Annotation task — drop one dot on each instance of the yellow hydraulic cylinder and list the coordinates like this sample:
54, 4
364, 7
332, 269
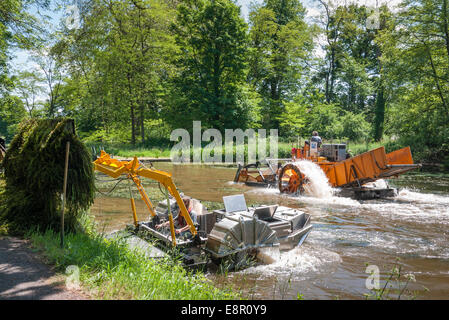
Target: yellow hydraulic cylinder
144, 195
172, 229
133, 207
170, 218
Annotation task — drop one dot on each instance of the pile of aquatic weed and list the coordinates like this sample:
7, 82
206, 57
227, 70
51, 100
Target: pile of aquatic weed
34, 175
109, 269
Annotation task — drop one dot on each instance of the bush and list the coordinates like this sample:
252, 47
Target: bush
355, 127
34, 174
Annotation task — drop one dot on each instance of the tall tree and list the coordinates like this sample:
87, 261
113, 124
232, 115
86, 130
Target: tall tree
29, 89
281, 43
50, 65
18, 28
352, 68
120, 56
416, 62
212, 39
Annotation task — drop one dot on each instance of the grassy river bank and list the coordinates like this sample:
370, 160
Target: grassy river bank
109, 269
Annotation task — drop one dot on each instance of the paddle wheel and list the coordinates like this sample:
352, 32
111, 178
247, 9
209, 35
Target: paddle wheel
291, 179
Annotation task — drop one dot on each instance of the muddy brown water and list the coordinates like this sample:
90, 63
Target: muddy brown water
347, 236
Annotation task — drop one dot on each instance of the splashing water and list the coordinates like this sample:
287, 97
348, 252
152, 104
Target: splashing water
318, 185
297, 261
268, 255
408, 195
378, 184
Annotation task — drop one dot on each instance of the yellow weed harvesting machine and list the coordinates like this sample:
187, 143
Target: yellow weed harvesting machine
351, 174
232, 233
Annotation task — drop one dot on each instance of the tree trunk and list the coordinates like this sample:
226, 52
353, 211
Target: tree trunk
133, 117
379, 118
446, 26
437, 83
142, 123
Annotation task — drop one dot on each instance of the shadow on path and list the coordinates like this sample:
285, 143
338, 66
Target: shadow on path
23, 276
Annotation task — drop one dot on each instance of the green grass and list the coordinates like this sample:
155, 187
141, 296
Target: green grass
359, 148
110, 270
4, 229
143, 152
284, 149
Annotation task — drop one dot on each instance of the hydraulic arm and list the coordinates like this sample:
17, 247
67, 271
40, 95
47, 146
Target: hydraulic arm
133, 170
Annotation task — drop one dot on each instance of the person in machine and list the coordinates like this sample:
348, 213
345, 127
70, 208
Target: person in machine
316, 138
181, 225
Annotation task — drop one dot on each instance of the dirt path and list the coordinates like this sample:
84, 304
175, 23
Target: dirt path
24, 276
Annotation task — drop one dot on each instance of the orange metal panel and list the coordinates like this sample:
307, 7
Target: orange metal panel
402, 156
340, 174
364, 168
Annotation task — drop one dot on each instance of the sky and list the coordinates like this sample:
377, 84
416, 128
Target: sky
313, 6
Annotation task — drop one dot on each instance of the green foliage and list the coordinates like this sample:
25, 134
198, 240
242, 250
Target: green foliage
307, 114
34, 173
118, 63
355, 127
17, 28
29, 87
416, 63
12, 112
352, 68
135, 70
294, 119
212, 39
280, 41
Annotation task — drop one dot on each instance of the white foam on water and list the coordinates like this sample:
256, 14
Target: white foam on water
414, 206
412, 213
380, 241
333, 201
317, 191
298, 261
267, 191
407, 195
378, 184
409, 205
268, 255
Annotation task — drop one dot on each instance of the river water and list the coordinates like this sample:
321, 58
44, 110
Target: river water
409, 231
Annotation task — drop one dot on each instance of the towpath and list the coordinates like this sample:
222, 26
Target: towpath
23, 275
